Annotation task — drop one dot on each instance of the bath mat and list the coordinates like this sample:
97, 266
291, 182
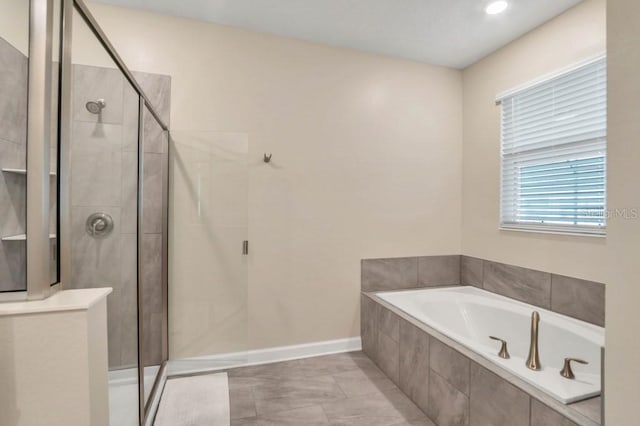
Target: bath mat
195, 400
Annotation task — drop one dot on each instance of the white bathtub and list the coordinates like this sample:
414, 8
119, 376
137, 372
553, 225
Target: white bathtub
470, 315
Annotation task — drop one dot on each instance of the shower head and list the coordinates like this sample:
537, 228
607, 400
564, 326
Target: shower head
96, 107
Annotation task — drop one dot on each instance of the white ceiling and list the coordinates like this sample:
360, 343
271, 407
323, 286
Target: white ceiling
454, 33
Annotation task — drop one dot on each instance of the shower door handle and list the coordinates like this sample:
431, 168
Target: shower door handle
245, 247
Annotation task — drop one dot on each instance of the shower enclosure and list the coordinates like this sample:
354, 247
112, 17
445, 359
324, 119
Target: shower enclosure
117, 161
84, 153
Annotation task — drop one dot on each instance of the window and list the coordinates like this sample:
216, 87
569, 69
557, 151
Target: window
554, 153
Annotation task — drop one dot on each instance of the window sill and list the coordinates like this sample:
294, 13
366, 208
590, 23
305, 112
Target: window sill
545, 230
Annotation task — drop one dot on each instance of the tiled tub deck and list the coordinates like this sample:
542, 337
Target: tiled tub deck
453, 385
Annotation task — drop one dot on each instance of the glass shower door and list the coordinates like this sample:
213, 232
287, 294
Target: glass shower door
103, 171
152, 243
208, 297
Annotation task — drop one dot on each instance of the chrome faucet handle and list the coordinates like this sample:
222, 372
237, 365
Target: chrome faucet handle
566, 371
504, 353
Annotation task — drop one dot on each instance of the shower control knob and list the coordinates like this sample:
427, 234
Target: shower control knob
99, 225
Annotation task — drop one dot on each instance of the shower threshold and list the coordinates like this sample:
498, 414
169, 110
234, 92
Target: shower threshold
123, 394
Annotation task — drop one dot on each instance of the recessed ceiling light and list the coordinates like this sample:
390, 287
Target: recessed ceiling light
496, 7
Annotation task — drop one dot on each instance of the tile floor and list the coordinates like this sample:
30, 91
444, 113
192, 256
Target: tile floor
341, 389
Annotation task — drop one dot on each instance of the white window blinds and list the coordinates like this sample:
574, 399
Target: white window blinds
554, 153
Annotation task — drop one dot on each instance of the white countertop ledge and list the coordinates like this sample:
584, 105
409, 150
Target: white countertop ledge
63, 300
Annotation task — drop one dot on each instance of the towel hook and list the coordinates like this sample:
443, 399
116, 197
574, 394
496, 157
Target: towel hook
267, 158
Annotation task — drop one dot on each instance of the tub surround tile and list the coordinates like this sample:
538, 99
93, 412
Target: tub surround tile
590, 408
471, 271
451, 365
495, 401
438, 270
369, 326
447, 405
522, 284
388, 357
541, 415
414, 364
388, 323
577, 298
389, 274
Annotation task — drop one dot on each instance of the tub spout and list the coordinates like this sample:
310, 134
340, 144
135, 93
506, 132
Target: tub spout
533, 361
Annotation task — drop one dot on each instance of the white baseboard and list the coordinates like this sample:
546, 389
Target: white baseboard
261, 356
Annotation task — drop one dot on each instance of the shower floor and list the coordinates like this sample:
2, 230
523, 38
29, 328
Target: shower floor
123, 394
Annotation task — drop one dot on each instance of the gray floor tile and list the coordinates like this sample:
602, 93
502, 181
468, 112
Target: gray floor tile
285, 369
368, 410
311, 416
241, 403
296, 393
358, 383
357, 393
334, 364
403, 404
425, 421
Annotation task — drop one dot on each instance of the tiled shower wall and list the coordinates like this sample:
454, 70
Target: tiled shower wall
13, 144
574, 297
104, 179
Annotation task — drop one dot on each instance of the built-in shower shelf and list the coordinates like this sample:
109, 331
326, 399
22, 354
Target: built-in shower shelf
23, 237
22, 171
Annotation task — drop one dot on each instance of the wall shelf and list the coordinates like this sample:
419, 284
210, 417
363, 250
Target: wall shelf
22, 171
23, 237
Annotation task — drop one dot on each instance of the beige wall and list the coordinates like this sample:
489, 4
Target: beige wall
14, 23
578, 34
623, 291
366, 163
